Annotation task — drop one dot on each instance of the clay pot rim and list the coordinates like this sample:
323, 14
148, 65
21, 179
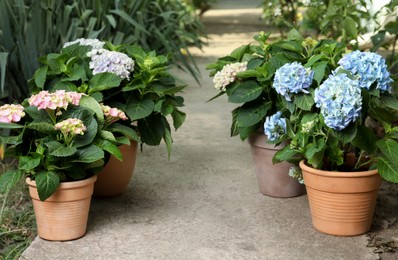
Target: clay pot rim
337, 174
67, 185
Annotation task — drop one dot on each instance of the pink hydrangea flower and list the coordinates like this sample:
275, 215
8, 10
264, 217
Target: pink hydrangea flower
112, 113
11, 113
58, 99
74, 126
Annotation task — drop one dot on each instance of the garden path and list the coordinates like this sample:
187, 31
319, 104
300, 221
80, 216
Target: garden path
204, 202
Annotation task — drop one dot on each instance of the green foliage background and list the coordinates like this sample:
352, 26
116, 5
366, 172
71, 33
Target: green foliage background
32, 28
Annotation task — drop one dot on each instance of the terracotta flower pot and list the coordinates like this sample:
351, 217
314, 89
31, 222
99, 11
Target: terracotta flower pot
273, 179
116, 175
63, 216
341, 203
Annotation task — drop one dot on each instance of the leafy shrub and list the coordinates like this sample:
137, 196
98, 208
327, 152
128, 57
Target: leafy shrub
30, 29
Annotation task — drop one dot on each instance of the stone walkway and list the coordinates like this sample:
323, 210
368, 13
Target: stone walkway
204, 202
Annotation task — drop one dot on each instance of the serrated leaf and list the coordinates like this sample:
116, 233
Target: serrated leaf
103, 81
319, 71
42, 127
28, 163
91, 103
63, 151
178, 118
10, 126
389, 148
89, 154
250, 115
347, 134
245, 92
41, 76
168, 140
125, 130
151, 129
304, 101
107, 135
390, 102
111, 148
137, 109
387, 170
286, 154
365, 139
47, 183
239, 52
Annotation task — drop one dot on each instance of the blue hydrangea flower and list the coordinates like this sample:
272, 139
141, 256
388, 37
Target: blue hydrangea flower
340, 101
274, 126
296, 173
292, 78
370, 67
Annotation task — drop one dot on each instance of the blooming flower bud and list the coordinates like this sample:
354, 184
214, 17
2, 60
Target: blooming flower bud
228, 74
296, 173
71, 125
11, 113
113, 114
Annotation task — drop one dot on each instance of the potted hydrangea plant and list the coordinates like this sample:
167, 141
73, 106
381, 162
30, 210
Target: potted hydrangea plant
344, 139
331, 109
59, 141
246, 76
127, 78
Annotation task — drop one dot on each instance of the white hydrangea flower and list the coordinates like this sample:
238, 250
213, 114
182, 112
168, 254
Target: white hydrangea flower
228, 74
111, 61
94, 43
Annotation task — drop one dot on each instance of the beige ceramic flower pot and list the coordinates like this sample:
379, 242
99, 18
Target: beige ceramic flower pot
116, 175
63, 216
341, 203
273, 179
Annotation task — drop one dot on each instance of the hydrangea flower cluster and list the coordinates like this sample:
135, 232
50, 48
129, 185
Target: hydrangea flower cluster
52, 101
228, 74
370, 67
94, 43
296, 173
72, 126
11, 113
112, 114
292, 78
274, 126
111, 61
340, 101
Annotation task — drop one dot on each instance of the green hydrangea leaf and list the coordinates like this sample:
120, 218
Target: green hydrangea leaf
47, 183
245, 92
28, 163
388, 170
137, 109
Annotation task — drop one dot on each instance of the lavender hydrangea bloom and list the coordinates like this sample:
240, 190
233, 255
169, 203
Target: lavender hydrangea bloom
274, 126
94, 43
111, 61
292, 78
340, 101
370, 67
